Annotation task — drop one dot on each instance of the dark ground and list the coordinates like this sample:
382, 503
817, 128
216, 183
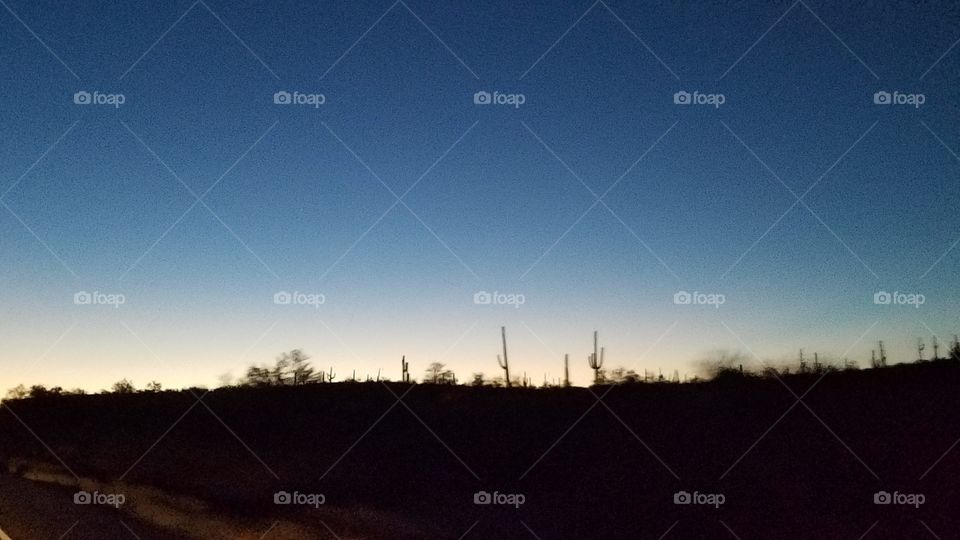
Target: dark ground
587, 469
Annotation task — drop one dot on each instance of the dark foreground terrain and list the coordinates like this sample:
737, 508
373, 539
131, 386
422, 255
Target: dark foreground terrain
773, 466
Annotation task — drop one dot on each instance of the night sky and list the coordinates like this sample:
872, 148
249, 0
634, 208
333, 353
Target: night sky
388, 193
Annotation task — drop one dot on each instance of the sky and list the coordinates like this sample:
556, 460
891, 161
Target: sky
167, 169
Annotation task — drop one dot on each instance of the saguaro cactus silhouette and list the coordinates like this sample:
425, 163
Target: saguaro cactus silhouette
405, 374
595, 361
566, 370
504, 364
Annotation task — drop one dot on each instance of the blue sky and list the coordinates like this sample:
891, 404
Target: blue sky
494, 197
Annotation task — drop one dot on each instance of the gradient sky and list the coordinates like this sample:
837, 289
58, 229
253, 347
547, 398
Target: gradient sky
300, 195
